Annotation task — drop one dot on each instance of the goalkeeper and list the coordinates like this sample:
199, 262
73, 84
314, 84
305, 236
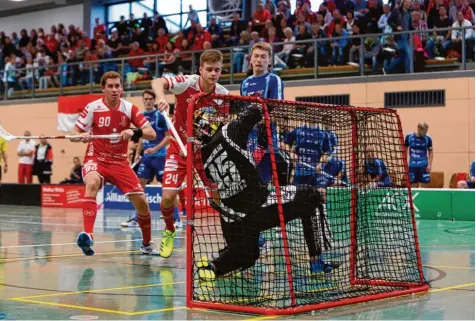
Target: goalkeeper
246, 206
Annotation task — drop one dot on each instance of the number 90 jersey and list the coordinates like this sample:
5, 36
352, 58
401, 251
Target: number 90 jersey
100, 119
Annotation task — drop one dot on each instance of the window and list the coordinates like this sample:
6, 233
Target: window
166, 7
141, 7
173, 23
116, 11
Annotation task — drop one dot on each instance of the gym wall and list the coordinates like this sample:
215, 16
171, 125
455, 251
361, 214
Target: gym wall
451, 126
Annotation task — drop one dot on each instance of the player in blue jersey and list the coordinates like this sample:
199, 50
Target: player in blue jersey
310, 143
420, 148
470, 183
376, 169
331, 135
154, 151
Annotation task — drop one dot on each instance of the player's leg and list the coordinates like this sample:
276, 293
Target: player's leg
241, 252
126, 180
21, 173
425, 176
174, 174
144, 173
93, 181
303, 202
29, 174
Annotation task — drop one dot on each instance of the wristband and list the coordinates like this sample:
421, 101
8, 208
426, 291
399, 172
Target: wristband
137, 134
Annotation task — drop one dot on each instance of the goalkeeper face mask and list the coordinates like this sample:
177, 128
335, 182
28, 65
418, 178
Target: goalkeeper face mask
206, 123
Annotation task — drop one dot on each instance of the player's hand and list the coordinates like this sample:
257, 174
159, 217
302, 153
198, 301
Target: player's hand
149, 151
84, 137
126, 134
162, 104
319, 168
428, 169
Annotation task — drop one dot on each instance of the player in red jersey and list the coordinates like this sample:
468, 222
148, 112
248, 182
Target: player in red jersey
106, 160
183, 87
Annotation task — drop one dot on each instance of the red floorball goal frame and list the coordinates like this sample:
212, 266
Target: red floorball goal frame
330, 185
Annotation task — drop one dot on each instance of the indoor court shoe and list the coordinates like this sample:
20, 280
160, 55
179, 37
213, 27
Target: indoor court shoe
318, 266
85, 242
130, 223
149, 249
167, 244
206, 273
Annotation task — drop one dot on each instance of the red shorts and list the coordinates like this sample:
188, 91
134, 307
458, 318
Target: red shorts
175, 169
119, 174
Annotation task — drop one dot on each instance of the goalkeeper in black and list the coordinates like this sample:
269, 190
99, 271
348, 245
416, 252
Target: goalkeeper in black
246, 206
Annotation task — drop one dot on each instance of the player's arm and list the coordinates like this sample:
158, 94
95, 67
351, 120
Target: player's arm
407, 145
430, 155
5, 161
239, 129
163, 143
176, 85
139, 148
143, 128
276, 87
83, 125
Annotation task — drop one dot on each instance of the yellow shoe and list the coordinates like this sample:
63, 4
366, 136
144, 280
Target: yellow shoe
167, 244
203, 262
206, 274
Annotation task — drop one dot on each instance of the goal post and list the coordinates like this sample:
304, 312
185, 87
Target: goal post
330, 223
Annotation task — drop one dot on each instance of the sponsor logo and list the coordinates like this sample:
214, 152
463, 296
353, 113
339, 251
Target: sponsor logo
53, 189
89, 213
154, 198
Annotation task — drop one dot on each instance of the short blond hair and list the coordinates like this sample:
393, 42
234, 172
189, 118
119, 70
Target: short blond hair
110, 75
211, 56
262, 46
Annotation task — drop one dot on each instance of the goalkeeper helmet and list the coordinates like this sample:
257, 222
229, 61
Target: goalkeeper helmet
206, 123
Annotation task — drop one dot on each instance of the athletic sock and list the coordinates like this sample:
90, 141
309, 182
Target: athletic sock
145, 226
89, 214
168, 214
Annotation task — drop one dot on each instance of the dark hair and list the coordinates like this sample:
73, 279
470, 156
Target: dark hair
148, 92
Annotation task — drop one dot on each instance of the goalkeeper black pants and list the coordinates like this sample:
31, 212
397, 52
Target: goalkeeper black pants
242, 237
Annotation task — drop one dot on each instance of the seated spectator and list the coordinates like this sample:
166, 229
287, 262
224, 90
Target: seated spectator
200, 37
259, 18
280, 29
170, 61
417, 7
162, 39
469, 184
216, 32
76, 175
272, 39
133, 64
87, 66
349, 22
158, 22
99, 31
287, 48
9, 78
427, 42
355, 44
264, 32
371, 52
28, 80
186, 58
337, 20
297, 55
443, 38
141, 37
283, 10
457, 36
372, 17
338, 46
459, 6
271, 7
146, 25
239, 53
433, 11
382, 22
317, 33
325, 13
237, 26
360, 8
301, 20
178, 40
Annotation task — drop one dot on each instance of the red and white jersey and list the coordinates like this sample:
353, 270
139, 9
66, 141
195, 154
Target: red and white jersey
100, 119
184, 87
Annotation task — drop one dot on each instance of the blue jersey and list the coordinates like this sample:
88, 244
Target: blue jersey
471, 170
332, 168
419, 148
253, 138
310, 144
158, 123
376, 168
333, 141
268, 85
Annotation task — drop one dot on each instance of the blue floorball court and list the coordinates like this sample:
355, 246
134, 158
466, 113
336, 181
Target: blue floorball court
44, 275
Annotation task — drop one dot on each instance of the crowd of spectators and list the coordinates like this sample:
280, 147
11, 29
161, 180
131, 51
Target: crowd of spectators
39, 58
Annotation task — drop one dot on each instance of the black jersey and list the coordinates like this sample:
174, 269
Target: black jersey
230, 165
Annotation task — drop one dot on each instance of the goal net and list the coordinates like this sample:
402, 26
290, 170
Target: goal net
330, 221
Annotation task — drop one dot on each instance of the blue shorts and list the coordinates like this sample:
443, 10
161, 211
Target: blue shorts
386, 182
150, 167
470, 184
321, 181
418, 175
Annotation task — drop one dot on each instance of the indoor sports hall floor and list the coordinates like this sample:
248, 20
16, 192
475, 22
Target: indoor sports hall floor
43, 275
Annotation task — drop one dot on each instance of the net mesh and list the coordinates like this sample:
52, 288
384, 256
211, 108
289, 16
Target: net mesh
365, 229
